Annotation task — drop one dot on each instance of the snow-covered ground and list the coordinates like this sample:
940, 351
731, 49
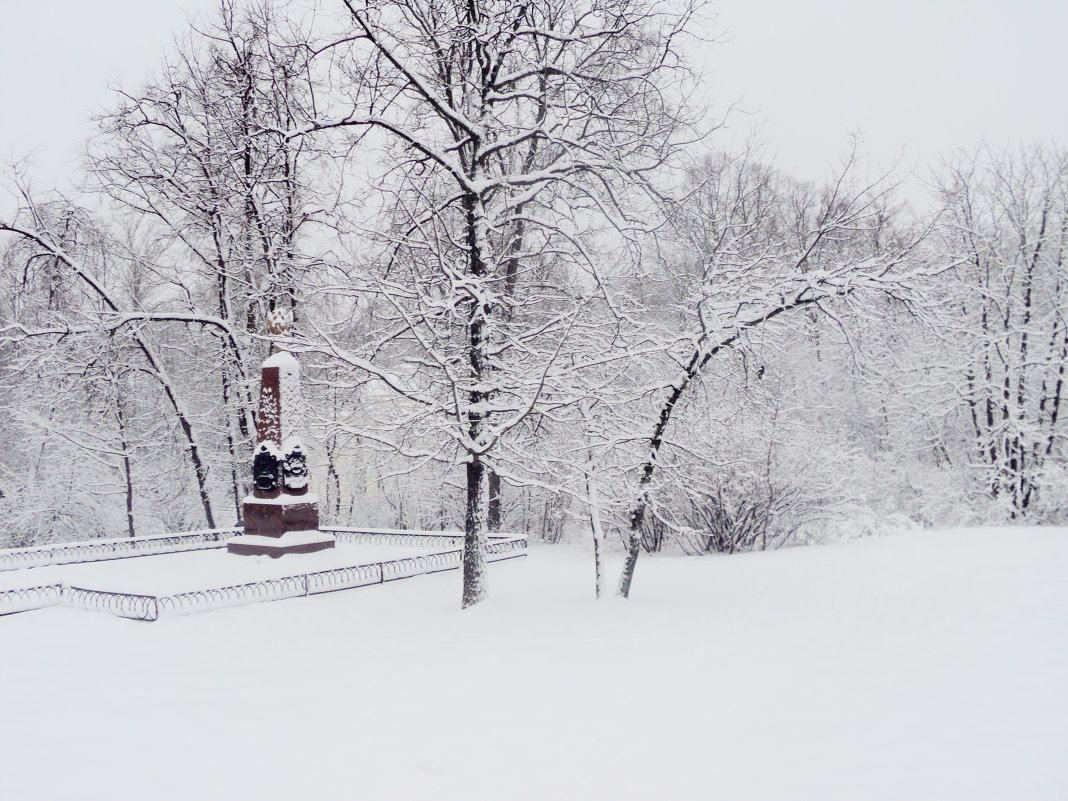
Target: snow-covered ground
925, 666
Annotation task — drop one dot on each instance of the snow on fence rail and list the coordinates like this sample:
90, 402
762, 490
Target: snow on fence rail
275, 589
399, 536
24, 599
120, 604
104, 550
387, 536
158, 544
149, 607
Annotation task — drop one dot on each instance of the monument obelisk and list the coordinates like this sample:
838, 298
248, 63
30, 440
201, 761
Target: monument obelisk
281, 515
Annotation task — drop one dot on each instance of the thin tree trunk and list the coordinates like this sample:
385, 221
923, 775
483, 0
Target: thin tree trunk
493, 511
593, 499
333, 482
230, 445
128, 474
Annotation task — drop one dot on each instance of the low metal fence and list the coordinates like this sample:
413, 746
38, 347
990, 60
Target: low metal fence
24, 599
344, 578
104, 550
120, 604
159, 544
275, 589
508, 547
418, 539
149, 607
408, 539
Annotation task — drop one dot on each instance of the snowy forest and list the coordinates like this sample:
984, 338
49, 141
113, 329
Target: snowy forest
532, 292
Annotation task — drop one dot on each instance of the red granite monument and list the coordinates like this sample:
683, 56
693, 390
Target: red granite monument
281, 515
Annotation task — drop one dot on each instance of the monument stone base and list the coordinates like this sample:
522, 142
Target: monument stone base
281, 525
290, 542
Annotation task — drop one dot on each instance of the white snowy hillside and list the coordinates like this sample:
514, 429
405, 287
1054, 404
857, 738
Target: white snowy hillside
928, 667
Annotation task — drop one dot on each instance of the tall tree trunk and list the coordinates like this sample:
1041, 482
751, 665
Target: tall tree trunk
475, 533
637, 517
594, 501
493, 511
476, 518
333, 483
230, 445
120, 417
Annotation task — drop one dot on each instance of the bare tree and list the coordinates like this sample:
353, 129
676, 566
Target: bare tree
1006, 221
762, 246
44, 240
517, 129
190, 156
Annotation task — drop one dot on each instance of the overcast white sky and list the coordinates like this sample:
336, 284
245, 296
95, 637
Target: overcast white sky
914, 77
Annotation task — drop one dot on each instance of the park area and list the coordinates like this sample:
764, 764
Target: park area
572, 400
921, 666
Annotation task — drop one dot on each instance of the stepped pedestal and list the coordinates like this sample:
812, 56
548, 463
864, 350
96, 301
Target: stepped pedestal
281, 525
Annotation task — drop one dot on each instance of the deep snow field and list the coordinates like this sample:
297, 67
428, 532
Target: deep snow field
930, 666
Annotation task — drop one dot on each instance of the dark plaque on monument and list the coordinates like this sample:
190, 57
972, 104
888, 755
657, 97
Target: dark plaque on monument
281, 515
